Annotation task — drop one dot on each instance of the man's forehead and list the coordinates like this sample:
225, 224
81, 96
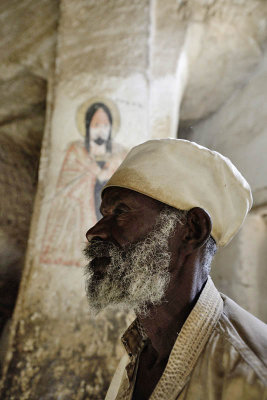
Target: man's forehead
113, 195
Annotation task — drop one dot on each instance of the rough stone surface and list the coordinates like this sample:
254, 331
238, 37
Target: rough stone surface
28, 33
27, 52
58, 351
109, 39
239, 270
166, 38
22, 116
200, 53
238, 130
230, 49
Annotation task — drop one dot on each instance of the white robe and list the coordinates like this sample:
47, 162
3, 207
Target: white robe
220, 353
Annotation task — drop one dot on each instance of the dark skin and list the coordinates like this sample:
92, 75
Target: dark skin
129, 216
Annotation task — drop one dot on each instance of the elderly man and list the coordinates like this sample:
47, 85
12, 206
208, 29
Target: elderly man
165, 210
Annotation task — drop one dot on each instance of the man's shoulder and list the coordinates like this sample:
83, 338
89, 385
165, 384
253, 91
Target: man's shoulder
244, 329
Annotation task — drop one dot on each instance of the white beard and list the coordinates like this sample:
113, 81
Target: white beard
136, 277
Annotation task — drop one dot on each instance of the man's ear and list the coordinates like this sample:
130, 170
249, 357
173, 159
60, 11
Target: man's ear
199, 227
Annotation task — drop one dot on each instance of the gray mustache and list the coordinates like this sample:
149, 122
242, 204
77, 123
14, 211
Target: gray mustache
98, 248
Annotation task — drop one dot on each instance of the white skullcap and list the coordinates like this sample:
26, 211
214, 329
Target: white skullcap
184, 175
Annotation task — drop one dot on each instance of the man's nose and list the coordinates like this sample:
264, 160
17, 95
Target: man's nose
100, 229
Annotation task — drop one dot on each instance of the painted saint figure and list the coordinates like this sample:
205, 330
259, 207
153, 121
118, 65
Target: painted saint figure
98, 141
86, 168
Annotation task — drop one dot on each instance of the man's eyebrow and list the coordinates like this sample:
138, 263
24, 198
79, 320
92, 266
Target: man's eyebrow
120, 204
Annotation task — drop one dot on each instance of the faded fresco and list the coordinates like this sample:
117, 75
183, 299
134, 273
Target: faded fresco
87, 166
64, 353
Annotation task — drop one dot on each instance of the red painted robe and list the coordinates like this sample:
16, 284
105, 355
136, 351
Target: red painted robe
72, 211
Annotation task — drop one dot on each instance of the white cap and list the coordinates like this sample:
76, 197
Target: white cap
184, 175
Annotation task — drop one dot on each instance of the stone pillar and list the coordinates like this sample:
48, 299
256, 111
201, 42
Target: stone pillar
174, 45
166, 40
56, 350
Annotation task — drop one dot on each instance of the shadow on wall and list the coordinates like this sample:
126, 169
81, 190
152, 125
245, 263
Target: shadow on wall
20, 145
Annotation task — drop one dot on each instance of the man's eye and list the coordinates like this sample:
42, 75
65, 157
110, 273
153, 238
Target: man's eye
119, 211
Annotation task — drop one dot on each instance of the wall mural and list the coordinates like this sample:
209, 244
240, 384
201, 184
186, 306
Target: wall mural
87, 166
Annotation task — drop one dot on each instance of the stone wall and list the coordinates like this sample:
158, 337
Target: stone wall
28, 33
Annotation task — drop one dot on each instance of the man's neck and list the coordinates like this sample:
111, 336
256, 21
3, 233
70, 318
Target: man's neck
164, 322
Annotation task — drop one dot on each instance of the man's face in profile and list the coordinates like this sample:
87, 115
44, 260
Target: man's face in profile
134, 275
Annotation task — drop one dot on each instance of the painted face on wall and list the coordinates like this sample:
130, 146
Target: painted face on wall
99, 131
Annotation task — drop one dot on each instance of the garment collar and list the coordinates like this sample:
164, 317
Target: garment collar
133, 339
188, 346
190, 343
